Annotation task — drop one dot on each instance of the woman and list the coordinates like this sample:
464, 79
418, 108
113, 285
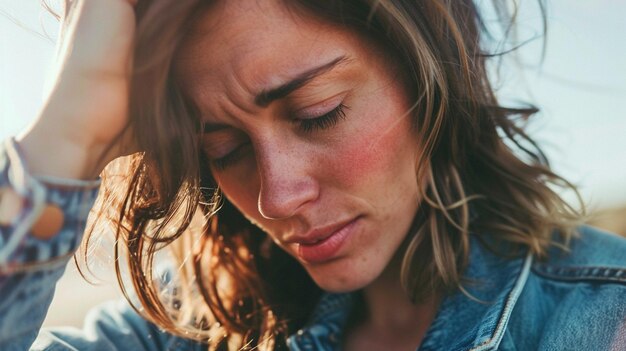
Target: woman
326, 175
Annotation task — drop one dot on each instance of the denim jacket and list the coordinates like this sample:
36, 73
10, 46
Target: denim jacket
574, 300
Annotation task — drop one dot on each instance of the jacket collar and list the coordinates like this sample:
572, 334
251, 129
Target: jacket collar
477, 318
473, 319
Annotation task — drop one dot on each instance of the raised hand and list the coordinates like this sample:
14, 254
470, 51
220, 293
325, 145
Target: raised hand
87, 105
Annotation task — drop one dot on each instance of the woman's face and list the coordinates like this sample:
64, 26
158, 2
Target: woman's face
308, 136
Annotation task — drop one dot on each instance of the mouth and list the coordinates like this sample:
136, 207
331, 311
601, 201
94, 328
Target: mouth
323, 245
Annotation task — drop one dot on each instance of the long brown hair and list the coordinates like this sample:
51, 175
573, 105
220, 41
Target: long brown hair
231, 287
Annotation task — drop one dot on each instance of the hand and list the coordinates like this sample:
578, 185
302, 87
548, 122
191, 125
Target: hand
87, 105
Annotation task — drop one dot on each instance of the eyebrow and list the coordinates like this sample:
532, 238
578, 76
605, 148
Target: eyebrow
265, 97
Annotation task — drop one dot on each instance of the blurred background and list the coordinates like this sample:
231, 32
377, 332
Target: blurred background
580, 87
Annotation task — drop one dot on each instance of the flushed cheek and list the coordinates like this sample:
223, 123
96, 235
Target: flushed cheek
373, 154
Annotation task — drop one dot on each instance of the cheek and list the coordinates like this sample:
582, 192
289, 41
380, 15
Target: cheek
242, 190
356, 159
377, 151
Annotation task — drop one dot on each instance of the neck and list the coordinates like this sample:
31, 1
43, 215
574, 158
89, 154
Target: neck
390, 310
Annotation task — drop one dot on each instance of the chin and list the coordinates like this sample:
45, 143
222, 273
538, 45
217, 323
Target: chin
340, 279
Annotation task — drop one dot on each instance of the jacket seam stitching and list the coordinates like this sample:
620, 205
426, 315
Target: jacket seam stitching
575, 274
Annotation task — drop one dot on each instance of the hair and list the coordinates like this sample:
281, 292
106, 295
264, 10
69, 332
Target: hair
229, 285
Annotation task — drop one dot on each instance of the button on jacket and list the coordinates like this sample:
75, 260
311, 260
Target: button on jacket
574, 300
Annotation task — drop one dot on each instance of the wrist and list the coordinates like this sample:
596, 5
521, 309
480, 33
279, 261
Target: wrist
51, 155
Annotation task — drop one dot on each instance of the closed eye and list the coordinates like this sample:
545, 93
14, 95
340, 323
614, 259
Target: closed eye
306, 125
325, 121
232, 157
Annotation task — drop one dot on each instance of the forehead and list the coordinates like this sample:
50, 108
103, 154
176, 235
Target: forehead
256, 44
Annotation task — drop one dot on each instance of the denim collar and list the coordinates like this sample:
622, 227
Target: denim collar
474, 320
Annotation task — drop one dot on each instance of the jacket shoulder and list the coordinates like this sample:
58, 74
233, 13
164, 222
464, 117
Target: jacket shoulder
592, 254
574, 299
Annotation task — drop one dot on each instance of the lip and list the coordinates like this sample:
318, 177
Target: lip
321, 245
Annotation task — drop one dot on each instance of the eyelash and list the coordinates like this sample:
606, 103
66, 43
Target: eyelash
232, 157
324, 121
309, 125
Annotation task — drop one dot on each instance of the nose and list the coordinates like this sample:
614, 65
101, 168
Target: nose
287, 183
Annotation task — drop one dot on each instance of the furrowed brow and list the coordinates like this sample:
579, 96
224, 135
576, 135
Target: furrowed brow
267, 96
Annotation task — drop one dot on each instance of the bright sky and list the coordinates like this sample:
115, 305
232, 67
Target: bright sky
581, 86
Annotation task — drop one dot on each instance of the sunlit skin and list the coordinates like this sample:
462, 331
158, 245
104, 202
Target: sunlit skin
289, 181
